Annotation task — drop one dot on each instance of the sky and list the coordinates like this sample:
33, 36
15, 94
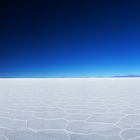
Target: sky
69, 38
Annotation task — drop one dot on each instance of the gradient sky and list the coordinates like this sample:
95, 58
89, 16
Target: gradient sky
71, 38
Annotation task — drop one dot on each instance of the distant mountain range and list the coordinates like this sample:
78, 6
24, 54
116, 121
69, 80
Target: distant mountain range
131, 75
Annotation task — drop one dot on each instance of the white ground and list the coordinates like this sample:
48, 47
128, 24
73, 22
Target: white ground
70, 109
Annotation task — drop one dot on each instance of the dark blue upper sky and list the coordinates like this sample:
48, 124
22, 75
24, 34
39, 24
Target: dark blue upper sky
71, 38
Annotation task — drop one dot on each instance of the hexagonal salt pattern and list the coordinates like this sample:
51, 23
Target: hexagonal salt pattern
106, 117
94, 137
70, 109
47, 124
84, 127
38, 135
50, 114
130, 133
129, 121
12, 123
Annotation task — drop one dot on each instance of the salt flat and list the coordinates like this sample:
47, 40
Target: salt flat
70, 109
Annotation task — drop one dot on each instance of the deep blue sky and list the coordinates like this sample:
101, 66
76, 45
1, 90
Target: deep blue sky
71, 38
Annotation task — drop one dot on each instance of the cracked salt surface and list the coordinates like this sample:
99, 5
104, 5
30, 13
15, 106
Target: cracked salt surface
70, 109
